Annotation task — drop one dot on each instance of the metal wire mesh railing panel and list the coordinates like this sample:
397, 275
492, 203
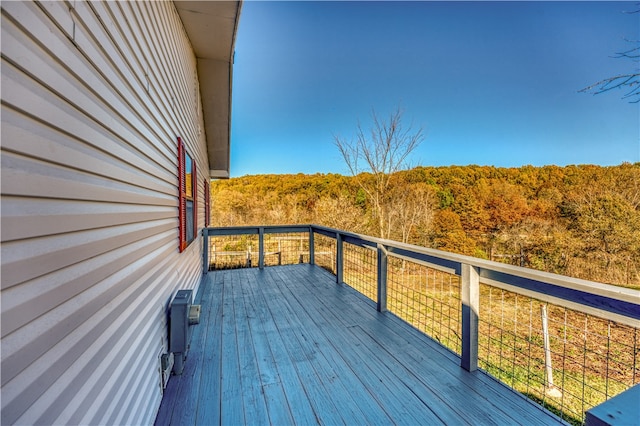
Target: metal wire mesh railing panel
360, 269
286, 248
566, 360
426, 298
233, 251
325, 252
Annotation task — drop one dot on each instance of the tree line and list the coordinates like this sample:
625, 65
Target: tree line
581, 221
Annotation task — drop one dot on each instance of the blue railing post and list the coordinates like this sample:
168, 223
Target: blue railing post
312, 254
261, 247
470, 283
339, 258
382, 278
205, 250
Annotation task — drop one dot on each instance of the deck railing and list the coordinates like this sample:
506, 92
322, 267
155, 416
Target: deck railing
568, 344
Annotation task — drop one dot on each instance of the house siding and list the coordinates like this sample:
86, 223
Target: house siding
94, 96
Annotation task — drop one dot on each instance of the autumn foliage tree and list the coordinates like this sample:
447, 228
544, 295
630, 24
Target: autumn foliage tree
581, 221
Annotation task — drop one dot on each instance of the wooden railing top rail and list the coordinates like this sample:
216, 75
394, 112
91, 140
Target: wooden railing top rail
616, 303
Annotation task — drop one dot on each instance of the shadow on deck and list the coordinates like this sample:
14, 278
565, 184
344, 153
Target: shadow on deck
287, 345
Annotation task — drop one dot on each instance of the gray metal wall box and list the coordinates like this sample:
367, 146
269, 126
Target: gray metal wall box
179, 330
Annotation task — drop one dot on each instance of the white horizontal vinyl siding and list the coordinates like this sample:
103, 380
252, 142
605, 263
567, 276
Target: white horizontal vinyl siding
94, 96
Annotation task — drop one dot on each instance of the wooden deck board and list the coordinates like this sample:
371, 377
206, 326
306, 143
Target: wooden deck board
303, 358
378, 373
295, 403
423, 357
427, 381
211, 317
359, 366
356, 404
232, 409
286, 345
255, 407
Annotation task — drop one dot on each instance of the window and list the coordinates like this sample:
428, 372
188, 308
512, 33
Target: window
188, 214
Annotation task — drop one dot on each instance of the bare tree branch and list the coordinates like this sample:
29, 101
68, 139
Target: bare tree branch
631, 53
629, 81
374, 156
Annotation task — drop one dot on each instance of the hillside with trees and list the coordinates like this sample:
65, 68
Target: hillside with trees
581, 221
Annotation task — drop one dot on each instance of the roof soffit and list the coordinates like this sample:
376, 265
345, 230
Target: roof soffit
211, 27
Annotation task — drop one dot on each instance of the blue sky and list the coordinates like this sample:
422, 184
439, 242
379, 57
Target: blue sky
491, 83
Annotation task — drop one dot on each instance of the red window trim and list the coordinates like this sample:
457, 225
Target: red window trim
194, 189
182, 197
182, 205
207, 205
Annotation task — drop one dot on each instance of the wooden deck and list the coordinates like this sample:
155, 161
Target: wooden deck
286, 345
